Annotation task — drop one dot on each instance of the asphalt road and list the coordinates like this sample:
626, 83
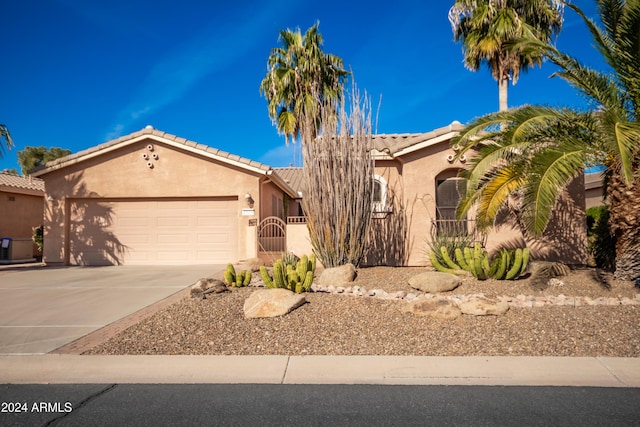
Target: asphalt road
316, 405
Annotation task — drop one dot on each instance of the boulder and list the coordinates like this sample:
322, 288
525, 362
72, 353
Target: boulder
252, 264
437, 308
338, 276
207, 285
478, 305
271, 303
434, 282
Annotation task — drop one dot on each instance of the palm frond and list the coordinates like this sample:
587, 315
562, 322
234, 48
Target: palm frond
551, 171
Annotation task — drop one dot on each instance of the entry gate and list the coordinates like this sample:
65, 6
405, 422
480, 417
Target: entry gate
272, 235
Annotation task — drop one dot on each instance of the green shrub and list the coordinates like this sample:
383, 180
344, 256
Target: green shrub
601, 242
38, 237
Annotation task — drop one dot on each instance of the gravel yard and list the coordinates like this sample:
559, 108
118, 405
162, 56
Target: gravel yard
348, 325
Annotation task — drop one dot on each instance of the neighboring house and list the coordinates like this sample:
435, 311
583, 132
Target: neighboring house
154, 198
594, 195
21, 209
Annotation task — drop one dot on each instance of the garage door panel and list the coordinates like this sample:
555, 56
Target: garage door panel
151, 232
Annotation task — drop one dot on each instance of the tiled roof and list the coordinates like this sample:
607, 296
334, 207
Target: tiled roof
394, 143
292, 176
17, 182
149, 131
385, 144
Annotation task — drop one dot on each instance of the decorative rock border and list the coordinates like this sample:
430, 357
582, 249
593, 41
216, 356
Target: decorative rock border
518, 301
522, 301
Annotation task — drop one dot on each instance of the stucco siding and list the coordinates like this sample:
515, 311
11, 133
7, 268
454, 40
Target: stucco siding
125, 173
19, 214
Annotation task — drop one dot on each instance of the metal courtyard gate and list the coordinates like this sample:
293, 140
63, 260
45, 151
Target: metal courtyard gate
272, 235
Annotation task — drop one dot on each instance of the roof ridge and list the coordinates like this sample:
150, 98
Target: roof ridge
150, 130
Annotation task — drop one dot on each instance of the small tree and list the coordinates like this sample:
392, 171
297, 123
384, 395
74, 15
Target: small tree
338, 180
32, 157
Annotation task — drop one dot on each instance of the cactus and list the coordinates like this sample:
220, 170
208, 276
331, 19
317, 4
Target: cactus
505, 265
229, 275
478, 255
308, 281
279, 274
468, 257
302, 266
236, 280
268, 282
296, 278
447, 259
247, 278
511, 264
438, 266
525, 261
516, 266
461, 260
312, 260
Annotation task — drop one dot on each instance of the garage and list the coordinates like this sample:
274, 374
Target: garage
152, 198
167, 231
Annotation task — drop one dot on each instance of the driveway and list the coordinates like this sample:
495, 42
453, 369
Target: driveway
43, 308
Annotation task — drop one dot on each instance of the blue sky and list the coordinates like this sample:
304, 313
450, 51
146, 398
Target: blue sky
77, 73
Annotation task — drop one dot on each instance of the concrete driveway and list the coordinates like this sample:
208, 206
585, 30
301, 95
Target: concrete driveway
43, 308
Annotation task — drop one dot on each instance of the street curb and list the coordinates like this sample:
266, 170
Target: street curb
387, 370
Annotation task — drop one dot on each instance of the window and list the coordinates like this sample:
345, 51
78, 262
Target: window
277, 206
449, 192
379, 194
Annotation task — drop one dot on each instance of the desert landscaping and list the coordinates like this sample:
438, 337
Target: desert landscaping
578, 314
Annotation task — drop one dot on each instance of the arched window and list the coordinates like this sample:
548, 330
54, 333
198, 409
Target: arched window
379, 194
450, 189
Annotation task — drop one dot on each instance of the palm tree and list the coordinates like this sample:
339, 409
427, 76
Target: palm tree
6, 137
486, 27
541, 149
300, 76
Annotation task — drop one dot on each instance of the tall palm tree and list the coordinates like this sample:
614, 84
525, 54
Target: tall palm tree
541, 149
300, 76
6, 137
487, 27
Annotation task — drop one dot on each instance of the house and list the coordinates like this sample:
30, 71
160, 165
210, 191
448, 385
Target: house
594, 195
21, 209
416, 192
155, 198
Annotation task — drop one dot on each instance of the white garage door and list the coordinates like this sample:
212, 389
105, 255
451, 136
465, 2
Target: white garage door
149, 232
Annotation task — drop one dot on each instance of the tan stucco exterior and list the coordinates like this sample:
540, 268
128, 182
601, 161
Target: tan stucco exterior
86, 190
148, 166
21, 209
593, 189
20, 213
402, 235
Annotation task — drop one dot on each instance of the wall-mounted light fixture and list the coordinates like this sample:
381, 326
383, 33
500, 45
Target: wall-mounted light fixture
249, 200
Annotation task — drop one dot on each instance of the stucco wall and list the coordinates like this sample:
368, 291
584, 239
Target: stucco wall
298, 239
123, 173
19, 213
401, 237
270, 192
419, 174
